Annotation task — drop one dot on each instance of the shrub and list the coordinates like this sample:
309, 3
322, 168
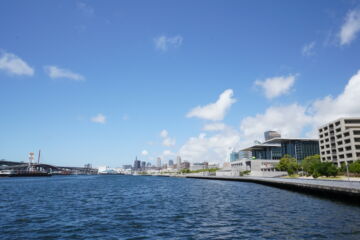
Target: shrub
289, 164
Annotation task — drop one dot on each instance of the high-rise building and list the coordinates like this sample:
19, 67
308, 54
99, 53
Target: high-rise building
137, 164
178, 162
158, 162
143, 165
170, 163
340, 141
271, 134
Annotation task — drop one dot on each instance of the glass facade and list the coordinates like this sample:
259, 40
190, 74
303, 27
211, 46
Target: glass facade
234, 156
298, 149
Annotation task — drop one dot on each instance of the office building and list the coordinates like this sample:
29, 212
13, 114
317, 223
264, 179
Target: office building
170, 163
185, 165
137, 164
340, 141
271, 134
143, 165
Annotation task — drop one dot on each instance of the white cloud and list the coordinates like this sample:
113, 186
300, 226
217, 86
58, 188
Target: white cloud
85, 8
214, 111
56, 72
292, 120
345, 104
167, 141
289, 120
164, 133
168, 153
308, 49
276, 86
350, 28
12, 64
163, 43
214, 127
213, 148
144, 152
100, 118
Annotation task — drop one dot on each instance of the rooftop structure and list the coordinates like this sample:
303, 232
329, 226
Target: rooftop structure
271, 134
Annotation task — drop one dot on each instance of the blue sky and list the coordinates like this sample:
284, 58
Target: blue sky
104, 81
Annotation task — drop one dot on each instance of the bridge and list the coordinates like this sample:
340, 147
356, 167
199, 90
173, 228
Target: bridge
60, 170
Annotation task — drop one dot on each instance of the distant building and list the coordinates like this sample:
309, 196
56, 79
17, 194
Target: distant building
143, 165
340, 141
127, 166
158, 162
185, 165
137, 164
271, 134
234, 156
244, 155
170, 163
199, 166
178, 162
148, 164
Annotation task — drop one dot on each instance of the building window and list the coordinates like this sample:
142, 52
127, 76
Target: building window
356, 132
337, 123
346, 134
357, 139
348, 140
352, 121
348, 148
349, 155
341, 156
338, 129
340, 149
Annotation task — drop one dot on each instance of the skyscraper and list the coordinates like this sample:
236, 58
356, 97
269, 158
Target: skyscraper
137, 164
158, 162
178, 162
171, 163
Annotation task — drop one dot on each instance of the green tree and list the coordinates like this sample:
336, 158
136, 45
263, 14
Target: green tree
309, 163
354, 167
288, 163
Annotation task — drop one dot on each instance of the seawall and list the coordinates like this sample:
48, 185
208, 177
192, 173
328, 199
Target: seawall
333, 189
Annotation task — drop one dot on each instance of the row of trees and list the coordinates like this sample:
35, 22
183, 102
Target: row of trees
311, 166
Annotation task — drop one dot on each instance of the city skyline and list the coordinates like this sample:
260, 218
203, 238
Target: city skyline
88, 82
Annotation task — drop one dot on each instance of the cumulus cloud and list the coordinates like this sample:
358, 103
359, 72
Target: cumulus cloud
350, 28
291, 120
14, 65
276, 86
100, 118
56, 72
308, 49
345, 104
214, 111
214, 127
144, 152
167, 141
163, 42
213, 148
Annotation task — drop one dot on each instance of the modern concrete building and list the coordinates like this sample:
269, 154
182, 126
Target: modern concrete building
259, 167
276, 148
271, 134
137, 164
340, 141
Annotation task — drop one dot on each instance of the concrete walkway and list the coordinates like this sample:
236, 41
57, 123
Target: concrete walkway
343, 190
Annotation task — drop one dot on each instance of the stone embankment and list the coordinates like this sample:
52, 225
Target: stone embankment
334, 189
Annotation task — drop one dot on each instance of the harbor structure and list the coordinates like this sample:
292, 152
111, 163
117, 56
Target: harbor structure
340, 141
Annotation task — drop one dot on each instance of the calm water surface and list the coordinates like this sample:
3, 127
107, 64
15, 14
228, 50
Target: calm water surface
137, 207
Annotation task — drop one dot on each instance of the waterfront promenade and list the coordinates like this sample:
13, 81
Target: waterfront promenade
342, 190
